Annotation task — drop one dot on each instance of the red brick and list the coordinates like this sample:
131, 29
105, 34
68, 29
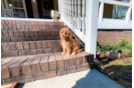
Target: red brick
5, 46
14, 27
55, 44
2, 27
11, 53
48, 33
26, 33
18, 26
5, 71
10, 33
49, 43
87, 57
44, 64
6, 21
44, 44
30, 26
68, 60
44, 27
21, 33
22, 26
34, 27
40, 33
57, 49
38, 77
16, 33
60, 61
47, 50
44, 33
19, 45
25, 67
26, 45
41, 26
2, 21
15, 68
35, 65
32, 44
27, 52
35, 33
1, 35
10, 26
59, 43
50, 74
12, 46
74, 60
66, 70
13, 21
52, 62
37, 26
31, 33
84, 67
7, 60
38, 44
5, 33
26, 26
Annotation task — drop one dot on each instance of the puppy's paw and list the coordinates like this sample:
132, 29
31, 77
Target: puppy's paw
67, 53
63, 53
73, 54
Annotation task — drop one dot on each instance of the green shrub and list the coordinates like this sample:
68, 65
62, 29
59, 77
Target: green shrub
128, 46
106, 48
123, 43
115, 47
98, 48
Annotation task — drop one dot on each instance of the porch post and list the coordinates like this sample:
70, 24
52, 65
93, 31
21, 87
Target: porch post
91, 26
59, 6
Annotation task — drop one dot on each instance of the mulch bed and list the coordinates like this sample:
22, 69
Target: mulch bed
119, 70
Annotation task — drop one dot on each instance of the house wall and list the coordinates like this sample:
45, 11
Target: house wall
110, 37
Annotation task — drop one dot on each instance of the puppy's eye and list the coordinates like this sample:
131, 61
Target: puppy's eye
66, 33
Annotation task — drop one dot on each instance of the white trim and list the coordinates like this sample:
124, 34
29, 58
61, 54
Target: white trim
114, 24
24, 5
75, 30
116, 2
28, 19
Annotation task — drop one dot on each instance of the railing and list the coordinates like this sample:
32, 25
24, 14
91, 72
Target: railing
6, 12
82, 18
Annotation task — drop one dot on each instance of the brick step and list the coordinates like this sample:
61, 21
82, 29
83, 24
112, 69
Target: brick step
30, 25
10, 49
42, 66
23, 35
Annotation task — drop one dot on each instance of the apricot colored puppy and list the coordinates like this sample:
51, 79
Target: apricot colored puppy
68, 44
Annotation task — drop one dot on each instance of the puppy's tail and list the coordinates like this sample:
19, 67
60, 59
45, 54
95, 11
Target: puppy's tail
79, 50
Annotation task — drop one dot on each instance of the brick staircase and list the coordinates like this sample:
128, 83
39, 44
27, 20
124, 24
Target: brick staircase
31, 50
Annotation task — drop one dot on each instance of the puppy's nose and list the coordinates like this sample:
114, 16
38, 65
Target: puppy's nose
62, 35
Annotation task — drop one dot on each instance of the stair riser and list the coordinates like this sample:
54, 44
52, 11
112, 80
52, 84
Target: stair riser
42, 66
10, 49
16, 36
29, 25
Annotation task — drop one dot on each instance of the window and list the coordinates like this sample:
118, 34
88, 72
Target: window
18, 8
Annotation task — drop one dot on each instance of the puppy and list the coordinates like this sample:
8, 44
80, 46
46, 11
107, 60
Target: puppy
68, 44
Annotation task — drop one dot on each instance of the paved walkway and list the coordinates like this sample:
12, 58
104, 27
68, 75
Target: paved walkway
83, 79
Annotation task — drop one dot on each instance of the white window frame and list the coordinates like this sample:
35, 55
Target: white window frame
24, 7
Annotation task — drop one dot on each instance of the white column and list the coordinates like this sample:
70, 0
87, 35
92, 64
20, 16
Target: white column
91, 26
76, 2
83, 15
59, 6
79, 14
71, 11
127, 18
101, 9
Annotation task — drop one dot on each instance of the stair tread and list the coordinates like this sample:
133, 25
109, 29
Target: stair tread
40, 63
